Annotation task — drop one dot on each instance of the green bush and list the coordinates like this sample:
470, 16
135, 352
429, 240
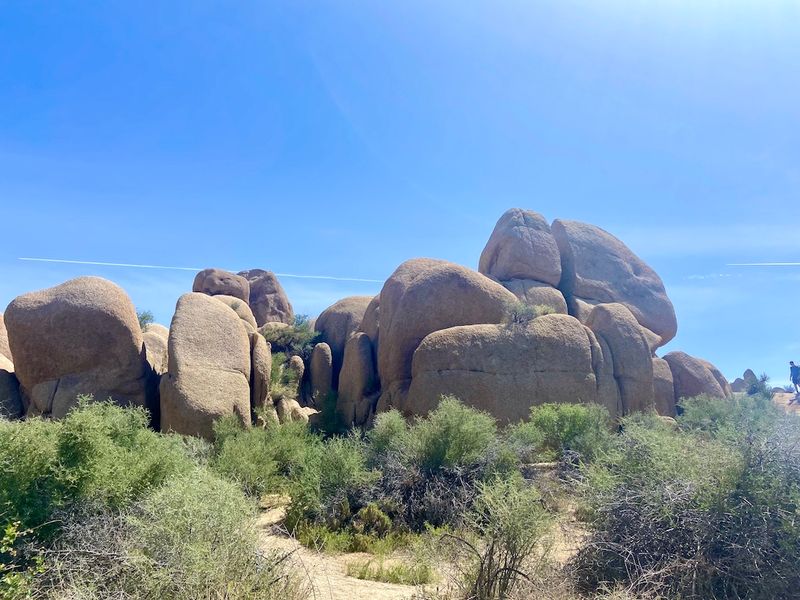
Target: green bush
581, 428
520, 313
708, 512
727, 415
296, 339
145, 318
389, 434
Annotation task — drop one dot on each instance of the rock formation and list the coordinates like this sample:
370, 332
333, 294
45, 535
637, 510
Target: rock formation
337, 323
692, 377
216, 281
267, 298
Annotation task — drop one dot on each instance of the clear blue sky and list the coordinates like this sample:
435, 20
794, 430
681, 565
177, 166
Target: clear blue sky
341, 138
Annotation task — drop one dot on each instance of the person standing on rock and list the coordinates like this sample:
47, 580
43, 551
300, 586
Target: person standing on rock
794, 375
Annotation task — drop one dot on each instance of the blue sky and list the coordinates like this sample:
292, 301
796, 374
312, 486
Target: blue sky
341, 138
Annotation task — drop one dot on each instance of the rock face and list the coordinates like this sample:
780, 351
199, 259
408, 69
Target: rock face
241, 309
370, 324
11, 405
80, 337
209, 367
155, 350
630, 354
260, 372
158, 330
267, 298
5, 349
536, 293
321, 370
598, 268
337, 323
692, 377
216, 281
504, 370
358, 381
420, 297
663, 388
522, 247
721, 380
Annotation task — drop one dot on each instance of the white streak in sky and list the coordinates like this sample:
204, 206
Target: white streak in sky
766, 264
134, 266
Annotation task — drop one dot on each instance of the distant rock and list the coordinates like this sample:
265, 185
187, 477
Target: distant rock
321, 373
158, 330
738, 385
692, 377
358, 381
209, 367
155, 348
217, 281
268, 300
337, 323
80, 337
598, 268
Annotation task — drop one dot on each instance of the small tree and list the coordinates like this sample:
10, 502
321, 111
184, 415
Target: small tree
145, 318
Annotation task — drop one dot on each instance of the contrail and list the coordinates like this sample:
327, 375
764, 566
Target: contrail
135, 266
765, 264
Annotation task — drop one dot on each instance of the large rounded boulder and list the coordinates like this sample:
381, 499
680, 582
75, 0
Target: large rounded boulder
663, 388
78, 338
5, 349
268, 300
422, 296
358, 381
337, 323
692, 377
598, 268
505, 369
321, 373
209, 367
214, 282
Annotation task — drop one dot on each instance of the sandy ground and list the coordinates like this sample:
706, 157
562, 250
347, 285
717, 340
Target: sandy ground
782, 400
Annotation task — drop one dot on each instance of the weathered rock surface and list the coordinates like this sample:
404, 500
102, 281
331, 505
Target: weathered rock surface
692, 377
422, 296
321, 373
598, 268
536, 293
358, 380
630, 354
241, 309
738, 385
337, 323
663, 388
5, 349
155, 350
209, 367
11, 405
157, 329
260, 372
504, 370
370, 324
267, 297
721, 380
219, 282
521, 247
80, 337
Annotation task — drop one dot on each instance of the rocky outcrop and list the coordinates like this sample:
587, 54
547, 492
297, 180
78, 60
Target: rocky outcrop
260, 372
598, 268
155, 351
423, 296
663, 388
157, 329
321, 373
241, 309
630, 354
268, 300
337, 323
209, 367
370, 324
743, 383
692, 377
504, 369
719, 377
522, 247
11, 405
80, 337
358, 381
5, 349
216, 282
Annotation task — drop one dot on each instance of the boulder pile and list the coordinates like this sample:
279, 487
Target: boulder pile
561, 312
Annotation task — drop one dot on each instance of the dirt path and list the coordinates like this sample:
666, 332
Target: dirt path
782, 400
326, 573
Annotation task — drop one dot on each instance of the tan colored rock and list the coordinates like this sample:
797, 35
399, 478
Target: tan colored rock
80, 337
321, 373
209, 367
337, 323
536, 293
663, 388
750, 377
260, 372
155, 349
422, 296
289, 410
216, 282
157, 329
721, 380
5, 349
692, 377
738, 385
296, 364
630, 354
358, 380
241, 309
370, 324
598, 268
267, 297
269, 329
522, 247
504, 370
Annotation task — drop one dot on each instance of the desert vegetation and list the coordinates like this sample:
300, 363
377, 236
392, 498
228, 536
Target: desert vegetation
99, 506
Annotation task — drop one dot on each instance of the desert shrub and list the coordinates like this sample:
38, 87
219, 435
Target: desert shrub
264, 460
99, 452
728, 415
145, 318
452, 436
507, 521
194, 537
697, 513
283, 380
554, 429
759, 387
296, 339
402, 573
388, 435
520, 313
18, 568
